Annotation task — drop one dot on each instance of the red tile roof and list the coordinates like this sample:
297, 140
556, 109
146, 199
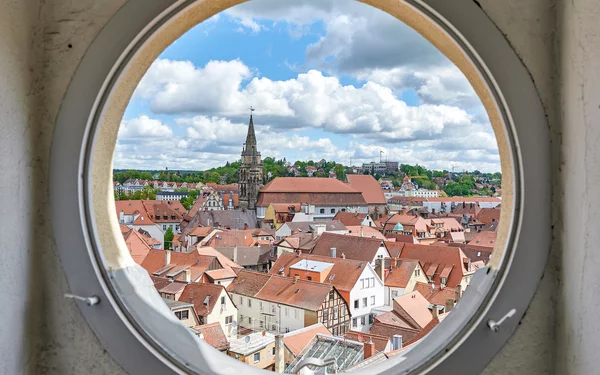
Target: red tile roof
489, 215
400, 275
484, 238
364, 231
199, 293
297, 340
138, 247
306, 185
358, 248
345, 272
414, 308
368, 186
349, 218
434, 259
303, 294
381, 342
318, 191
213, 335
436, 296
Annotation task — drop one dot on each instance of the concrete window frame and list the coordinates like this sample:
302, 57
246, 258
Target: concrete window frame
130, 320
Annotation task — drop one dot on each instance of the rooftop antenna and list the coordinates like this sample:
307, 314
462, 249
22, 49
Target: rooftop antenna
380, 156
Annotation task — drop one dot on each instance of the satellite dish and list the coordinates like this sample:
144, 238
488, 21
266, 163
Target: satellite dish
234, 324
247, 339
202, 336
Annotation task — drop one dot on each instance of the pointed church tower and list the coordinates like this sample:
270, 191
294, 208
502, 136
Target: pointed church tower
251, 170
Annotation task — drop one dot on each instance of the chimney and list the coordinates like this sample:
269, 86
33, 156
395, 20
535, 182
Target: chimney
235, 253
296, 277
449, 305
167, 257
434, 311
368, 349
382, 269
187, 276
396, 342
433, 211
457, 292
245, 226
279, 354
333, 252
343, 256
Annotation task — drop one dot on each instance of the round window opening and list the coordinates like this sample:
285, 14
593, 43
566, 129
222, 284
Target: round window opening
305, 187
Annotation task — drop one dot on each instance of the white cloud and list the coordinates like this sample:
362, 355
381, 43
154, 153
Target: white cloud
309, 100
143, 127
178, 86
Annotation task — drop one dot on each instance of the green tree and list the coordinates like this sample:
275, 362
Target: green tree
340, 172
168, 240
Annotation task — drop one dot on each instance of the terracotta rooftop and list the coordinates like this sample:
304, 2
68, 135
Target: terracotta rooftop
390, 323
204, 297
349, 218
213, 335
137, 245
297, 340
368, 186
306, 185
463, 199
364, 231
400, 275
343, 275
358, 248
484, 238
303, 294
381, 342
436, 296
489, 215
414, 308
435, 259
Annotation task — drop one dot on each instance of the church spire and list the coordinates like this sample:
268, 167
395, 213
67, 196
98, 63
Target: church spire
251, 137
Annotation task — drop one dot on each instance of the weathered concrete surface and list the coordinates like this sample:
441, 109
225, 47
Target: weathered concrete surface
41, 44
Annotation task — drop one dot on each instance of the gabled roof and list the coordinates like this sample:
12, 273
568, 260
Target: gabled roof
390, 323
349, 218
414, 308
297, 340
306, 185
400, 275
309, 226
343, 275
247, 255
358, 248
300, 241
213, 335
204, 297
380, 341
138, 247
364, 231
233, 219
303, 294
489, 215
436, 259
484, 238
368, 186
435, 295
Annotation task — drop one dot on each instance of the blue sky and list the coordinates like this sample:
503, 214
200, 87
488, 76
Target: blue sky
327, 81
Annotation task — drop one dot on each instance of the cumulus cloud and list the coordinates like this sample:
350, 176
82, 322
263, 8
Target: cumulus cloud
309, 100
143, 127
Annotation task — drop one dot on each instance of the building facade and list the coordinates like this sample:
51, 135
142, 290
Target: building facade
251, 171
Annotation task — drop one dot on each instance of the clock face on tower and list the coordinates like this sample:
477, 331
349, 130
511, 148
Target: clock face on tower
250, 172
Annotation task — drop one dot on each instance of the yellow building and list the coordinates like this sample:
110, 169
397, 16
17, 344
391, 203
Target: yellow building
278, 214
256, 349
